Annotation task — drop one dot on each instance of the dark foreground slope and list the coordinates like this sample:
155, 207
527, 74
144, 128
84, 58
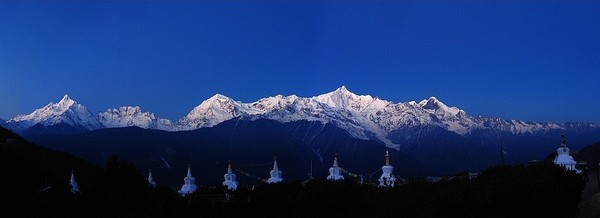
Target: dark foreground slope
424, 150
26, 170
509, 191
34, 184
591, 155
251, 145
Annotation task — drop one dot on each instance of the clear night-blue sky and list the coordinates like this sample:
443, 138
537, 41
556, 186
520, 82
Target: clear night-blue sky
531, 61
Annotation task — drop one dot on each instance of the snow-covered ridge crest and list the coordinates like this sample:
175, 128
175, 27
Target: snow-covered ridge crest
126, 116
72, 113
433, 105
342, 98
362, 116
213, 111
65, 111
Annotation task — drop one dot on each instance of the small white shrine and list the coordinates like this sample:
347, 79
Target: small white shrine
387, 179
151, 182
189, 185
230, 179
564, 157
276, 174
73, 183
335, 172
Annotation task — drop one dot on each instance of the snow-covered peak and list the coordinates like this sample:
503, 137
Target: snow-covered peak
66, 102
219, 97
343, 91
131, 116
344, 99
340, 93
432, 104
129, 111
362, 116
217, 101
213, 111
65, 111
278, 102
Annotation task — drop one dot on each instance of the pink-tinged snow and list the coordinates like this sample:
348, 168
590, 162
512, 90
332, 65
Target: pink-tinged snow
65, 111
133, 116
363, 116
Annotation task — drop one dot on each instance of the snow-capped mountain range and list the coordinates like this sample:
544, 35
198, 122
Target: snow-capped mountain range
362, 116
65, 111
133, 116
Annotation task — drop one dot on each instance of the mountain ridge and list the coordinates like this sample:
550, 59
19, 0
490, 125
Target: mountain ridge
362, 116
65, 111
125, 116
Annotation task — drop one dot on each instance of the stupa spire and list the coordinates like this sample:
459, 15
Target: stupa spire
275, 173
229, 167
189, 172
563, 157
335, 162
563, 140
73, 183
335, 171
230, 178
387, 158
151, 181
387, 179
275, 167
189, 185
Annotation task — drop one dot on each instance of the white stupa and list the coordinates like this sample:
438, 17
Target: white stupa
73, 183
230, 179
387, 179
563, 158
276, 174
151, 182
335, 172
190, 184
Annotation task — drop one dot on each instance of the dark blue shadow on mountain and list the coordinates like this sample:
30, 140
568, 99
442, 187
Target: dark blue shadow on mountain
251, 145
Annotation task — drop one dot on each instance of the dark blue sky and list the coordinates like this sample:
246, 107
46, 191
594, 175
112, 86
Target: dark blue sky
529, 61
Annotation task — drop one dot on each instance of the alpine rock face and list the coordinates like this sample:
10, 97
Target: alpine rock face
213, 111
66, 111
69, 112
441, 138
362, 116
127, 116
340, 107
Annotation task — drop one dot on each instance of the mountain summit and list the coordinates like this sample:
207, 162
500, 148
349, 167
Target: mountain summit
442, 138
66, 111
213, 111
435, 106
362, 116
133, 116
